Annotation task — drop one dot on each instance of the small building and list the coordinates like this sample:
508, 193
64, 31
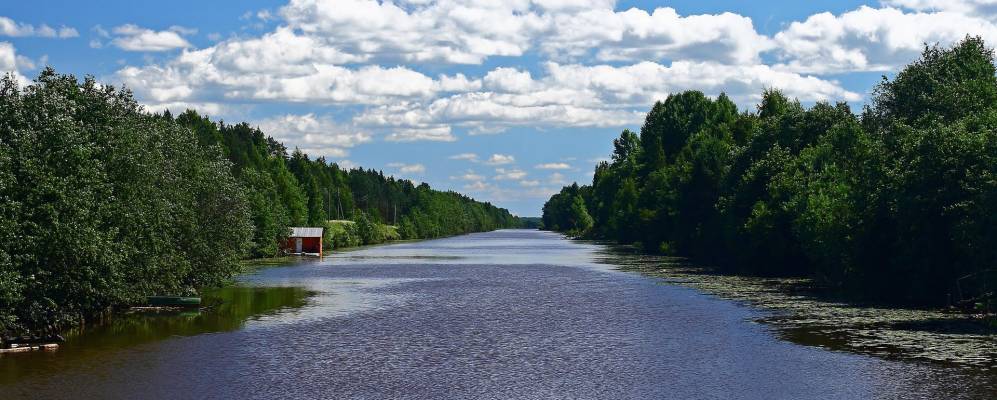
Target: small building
304, 241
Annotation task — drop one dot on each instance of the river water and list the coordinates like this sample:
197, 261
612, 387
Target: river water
513, 314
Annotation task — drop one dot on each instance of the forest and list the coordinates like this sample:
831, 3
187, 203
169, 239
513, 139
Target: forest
285, 190
895, 204
103, 203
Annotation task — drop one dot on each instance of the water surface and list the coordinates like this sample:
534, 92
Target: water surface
508, 314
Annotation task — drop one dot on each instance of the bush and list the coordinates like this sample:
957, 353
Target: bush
102, 204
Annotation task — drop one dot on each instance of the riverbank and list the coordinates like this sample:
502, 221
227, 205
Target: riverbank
801, 312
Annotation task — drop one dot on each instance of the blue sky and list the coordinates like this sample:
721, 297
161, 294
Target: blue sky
504, 101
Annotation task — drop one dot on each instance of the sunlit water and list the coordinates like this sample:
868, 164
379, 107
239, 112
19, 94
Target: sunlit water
509, 314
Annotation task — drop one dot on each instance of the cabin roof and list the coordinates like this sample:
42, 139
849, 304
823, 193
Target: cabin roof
306, 232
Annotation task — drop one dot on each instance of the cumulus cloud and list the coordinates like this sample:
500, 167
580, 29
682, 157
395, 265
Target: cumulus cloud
873, 39
415, 31
636, 34
502, 174
465, 156
599, 96
131, 37
9, 61
314, 135
9, 27
329, 52
469, 175
468, 32
559, 165
500, 159
434, 134
271, 70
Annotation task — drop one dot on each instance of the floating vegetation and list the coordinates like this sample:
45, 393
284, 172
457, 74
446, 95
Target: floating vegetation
800, 313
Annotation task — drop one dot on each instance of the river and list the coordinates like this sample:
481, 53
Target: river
512, 314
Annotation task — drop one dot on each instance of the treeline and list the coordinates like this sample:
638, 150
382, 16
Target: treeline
286, 190
103, 204
896, 204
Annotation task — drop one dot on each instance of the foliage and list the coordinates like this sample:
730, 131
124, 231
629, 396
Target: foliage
898, 204
104, 204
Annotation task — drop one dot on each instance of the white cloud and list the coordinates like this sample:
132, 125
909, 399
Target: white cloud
969, 7
457, 83
530, 183
479, 186
329, 52
268, 69
643, 83
8, 57
315, 135
482, 129
449, 31
873, 39
468, 32
636, 34
176, 107
502, 174
500, 159
470, 175
408, 168
601, 95
264, 15
9, 27
553, 166
324, 151
509, 80
433, 134
134, 38
9, 61
465, 156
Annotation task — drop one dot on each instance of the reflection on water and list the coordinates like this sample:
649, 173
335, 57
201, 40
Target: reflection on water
225, 309
803, 316
511, 314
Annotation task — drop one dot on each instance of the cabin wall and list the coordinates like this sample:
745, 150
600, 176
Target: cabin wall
308, 245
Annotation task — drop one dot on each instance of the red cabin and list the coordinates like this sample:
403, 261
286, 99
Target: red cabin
304, 241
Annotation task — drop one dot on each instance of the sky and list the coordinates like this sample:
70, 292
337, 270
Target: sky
505, 101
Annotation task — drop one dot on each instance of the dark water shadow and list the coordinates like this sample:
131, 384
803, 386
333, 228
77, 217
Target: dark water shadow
225, 309
801, 312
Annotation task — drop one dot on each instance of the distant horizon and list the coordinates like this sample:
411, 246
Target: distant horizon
506, 103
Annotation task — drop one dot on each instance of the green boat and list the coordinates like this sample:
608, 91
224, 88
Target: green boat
174, 301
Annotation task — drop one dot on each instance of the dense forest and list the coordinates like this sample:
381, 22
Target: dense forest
285, 190
103, 203
895, 204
